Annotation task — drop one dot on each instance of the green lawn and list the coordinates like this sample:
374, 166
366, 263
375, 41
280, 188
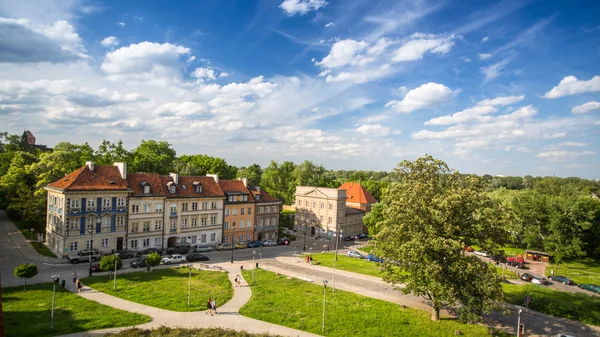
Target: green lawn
42, 249
509, 250
27, 313
575, 306
181, 332
585, 270
367, 249
298, 304
167, 288
508, 274
347, 263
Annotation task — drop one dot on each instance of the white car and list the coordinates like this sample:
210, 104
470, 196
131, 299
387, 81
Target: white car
480, 253
355, 254
173, 259
269, 243
202, 249
539, 280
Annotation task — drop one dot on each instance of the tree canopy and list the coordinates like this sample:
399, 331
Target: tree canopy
153, 156
26, 271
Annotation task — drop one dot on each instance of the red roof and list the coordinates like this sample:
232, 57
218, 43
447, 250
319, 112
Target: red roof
264, 196
356, 193
235, 186
84, 179
136, 181
185, 187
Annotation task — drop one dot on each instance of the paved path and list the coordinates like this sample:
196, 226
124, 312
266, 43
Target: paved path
228, 314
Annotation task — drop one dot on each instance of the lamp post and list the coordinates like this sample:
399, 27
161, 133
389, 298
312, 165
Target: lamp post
189, 284
335, 258
55, 279
324, 301
519, 323
32, 230
304, 249
232, 241
91, 231
253, 265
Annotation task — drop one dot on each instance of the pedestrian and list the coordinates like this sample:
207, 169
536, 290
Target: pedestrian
327, 248
79, 286
213, 306
236, 280
209, 307
74, 276
239, 281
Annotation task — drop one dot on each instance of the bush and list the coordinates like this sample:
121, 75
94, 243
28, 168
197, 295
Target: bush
25, 271
108, 263
152, 260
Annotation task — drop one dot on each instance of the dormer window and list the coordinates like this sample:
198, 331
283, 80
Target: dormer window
146, 189
258, 197
172, 189
197, 187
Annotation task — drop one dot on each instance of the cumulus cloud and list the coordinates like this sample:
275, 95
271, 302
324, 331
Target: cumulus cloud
562, 155
183, 109
471, 114
585, 108
343, 53
484, 56
110, 41
293, 7
507, 100
420, 44
362, 76
426, 96
494, 70
485, 39
373, 130
121, 23
202, 73
570, 85
102, 98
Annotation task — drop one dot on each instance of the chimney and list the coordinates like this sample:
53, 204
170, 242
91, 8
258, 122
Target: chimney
122, 169
175, 177
257, 189
214, 176
90, 164
245, 181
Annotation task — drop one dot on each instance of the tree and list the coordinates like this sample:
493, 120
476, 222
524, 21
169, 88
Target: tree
374, 217
153, 157
64, 159
26, 271
253, 173
309, 174
108, 263
279, 182
201, 164
153, 259
108, 153
428, 218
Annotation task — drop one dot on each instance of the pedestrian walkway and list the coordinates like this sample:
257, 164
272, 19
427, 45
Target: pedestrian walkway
227, 317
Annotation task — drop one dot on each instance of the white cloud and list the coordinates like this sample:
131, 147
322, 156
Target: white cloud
585, 108
360, 76
110, 41
427, 95
572, 144
494, 70
554, 135
561, 155
508, 100
223, 74
191, 59
121, 23
181, 109
474, 113
293, 7
485, 39
570, 85
484, 56
329, 24
343, 53
419, 44
373, 130
202, 73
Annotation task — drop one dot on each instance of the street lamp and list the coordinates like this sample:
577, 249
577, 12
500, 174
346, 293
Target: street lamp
253, 265
55, 279
91, 231
324, 300
335, 258
189, 284
232, 241
519, 323
304, 249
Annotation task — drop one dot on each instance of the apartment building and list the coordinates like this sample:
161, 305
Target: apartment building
193, 210
320, 211
239, 211
146, 217
88, 209
267, 214
357, 196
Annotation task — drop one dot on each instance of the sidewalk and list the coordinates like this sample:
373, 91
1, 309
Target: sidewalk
228, 316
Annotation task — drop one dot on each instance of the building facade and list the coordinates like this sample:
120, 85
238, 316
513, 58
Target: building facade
320, 211
239, 211
146, 216
268, 209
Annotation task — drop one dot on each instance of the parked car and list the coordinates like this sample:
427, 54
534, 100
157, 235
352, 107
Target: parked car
148, 251
355, 254
96, 267
240, 245
175, 258
480, 253
469, 249
518, 265
84, 256
138, 263
539, 280
255, 244
224, 246
202, 249
374, 258
283, 241
561, 279
125, 254
269, 243
350, 238
590, 287
515, 259
196, 257
180, 248
527, 277
363, 236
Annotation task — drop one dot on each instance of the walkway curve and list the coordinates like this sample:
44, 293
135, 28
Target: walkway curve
228, 316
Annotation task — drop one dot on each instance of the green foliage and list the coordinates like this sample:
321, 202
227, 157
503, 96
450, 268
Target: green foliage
153, 259
108, 263
279, 182
253, 173
64, 159
201, 164
153, 156
26, 271
108, 153
27, 313
428, 218
374, 217
347, 263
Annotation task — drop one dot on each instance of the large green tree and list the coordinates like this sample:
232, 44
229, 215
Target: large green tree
64, 159
153, 157
201, 164
109, 153
309, 174
428, 218
253, 173
279, 181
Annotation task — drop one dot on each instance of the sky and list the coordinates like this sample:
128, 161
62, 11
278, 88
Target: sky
490, 87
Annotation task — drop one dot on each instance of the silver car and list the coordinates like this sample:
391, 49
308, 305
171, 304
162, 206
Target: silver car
202, 249
355, 254
269, 243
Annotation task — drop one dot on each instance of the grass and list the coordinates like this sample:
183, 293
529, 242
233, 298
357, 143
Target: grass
42, 249
585, 270
181, 332
509, 250
508, 274
347, 263
575, 306
367, 249
298, 304
167, 288
27, 313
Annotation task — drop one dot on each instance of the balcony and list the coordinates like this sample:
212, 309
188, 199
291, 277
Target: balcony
74, 211
106, 208
173, 213
91, 209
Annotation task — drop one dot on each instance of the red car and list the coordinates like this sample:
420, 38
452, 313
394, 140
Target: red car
515, 259
469, 249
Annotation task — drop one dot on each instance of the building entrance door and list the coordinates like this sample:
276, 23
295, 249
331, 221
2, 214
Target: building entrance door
120, 243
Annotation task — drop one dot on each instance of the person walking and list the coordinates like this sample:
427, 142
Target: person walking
74, 276
79, 286
237, 277
238, 281
209, 307
213, 306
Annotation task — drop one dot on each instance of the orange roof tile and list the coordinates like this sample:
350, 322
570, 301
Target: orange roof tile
185, 187
135, 181
356, 193
264, 196
84, 179
236, 186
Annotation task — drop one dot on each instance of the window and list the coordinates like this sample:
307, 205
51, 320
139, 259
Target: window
199, 189
74, 224
266, 221
213, 237
314, 204
306, 203
146, 226
204, 204
241, 237
104, 243
203, 238
147, 208
226, 225
329, 221
173, 225
172, 189
227, 211
75, 204
249, 223
230, 198
184, 206
158, 207
194, 222
146, 243
225, 239
134, 244
146, 189
249, 210
184, 222
213, 220
120, 221
135, 208
173, 208
241, 223
242, 211
91, 203
134, 227
91, 223
233, 239
120, 202
248, 237
234, 211
203, 221
260, 221
213, 205
157, 225
330, 206
106, 222
105, 202
260, 210
157, 242
194, 239
322, 206
273, 221
73, 246
274, 209
87, 245
194, 206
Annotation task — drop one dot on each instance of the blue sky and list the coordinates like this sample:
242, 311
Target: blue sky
498, 87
